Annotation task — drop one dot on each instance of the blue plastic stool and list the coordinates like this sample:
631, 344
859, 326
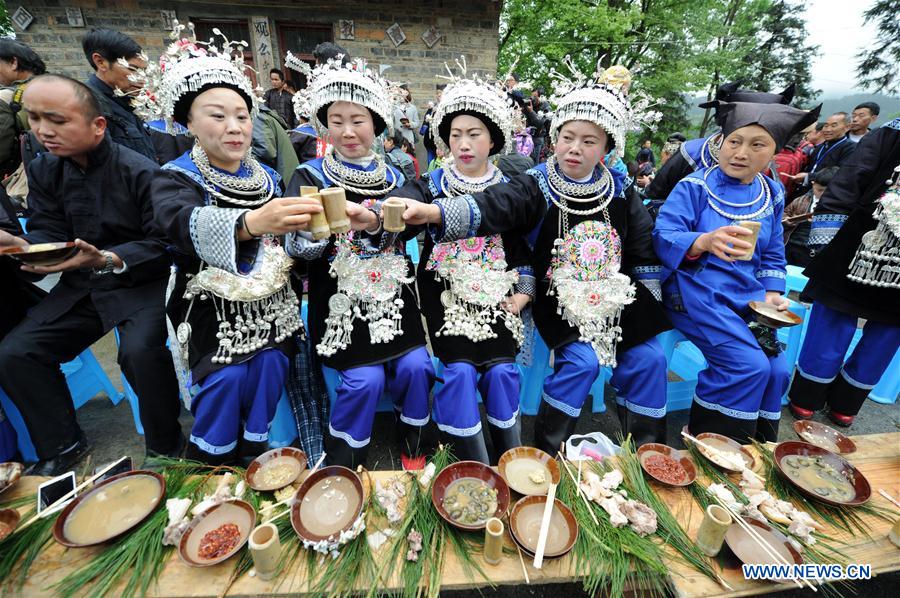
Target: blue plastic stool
23, 438
86, 378
283, 429
795, 280
887, 389
412, 250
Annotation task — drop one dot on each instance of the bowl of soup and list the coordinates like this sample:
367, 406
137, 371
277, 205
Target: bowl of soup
821, 474
328, 502
525, 520
110, 509
468, 493
528, 471
275, 469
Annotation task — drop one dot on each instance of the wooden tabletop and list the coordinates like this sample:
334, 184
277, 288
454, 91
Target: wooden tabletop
878, 457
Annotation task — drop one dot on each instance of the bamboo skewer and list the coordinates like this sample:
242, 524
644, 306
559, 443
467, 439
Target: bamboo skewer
885, 494
579, 491
767, 548
545, 527
49, 509
522, 561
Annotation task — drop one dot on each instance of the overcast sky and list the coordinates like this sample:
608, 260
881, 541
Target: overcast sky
837, 27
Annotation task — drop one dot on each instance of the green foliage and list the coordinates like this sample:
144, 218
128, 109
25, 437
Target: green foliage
676, 48
877, 64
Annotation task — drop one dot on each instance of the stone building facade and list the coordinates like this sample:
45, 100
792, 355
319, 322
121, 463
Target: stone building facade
274, 27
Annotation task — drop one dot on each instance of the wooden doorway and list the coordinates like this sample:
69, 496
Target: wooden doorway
301, 39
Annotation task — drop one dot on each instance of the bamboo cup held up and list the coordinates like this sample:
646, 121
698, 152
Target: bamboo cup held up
318, 223
493, 541
711, 534
392, 215
304, 191
335, 202
265, 548
753, 226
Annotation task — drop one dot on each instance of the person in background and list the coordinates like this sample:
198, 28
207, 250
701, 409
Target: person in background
671, 147
798, 217
406, 116
96, 193
812, 138
862, 119
272, 143
278, 99
304, 137
327, 50
525, 141
106, 50
397, 156
791, 160
544, 111
833, 151
437, 161
425, 133
645, 154
853, 276
18, 65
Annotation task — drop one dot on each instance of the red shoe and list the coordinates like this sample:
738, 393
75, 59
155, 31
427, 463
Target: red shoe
844, 421
800, 412
412, 463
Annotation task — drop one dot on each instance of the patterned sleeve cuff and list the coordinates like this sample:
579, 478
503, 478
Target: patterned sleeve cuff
824, 228
772, 280
460, 218
301, 245
215, 240
376, 241
650, 277
526, 284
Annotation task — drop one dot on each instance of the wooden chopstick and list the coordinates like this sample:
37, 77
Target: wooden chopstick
579, 491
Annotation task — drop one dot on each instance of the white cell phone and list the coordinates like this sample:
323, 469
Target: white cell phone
52, 490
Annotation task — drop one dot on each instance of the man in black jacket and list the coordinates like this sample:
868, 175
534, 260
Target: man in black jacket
833, 152
104, 48
97, 193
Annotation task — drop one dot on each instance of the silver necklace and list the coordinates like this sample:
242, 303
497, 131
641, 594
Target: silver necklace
762, 189
361, 182
257, 183
578, 192
452, 184
712, 145
740, 217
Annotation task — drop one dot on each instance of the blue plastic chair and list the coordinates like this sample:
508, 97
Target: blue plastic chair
283, 429
887, 389
795, 280
412, 250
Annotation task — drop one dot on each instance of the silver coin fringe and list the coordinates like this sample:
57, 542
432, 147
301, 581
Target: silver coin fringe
877, 260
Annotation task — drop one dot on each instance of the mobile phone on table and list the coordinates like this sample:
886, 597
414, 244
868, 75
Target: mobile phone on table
52, 490
121, 466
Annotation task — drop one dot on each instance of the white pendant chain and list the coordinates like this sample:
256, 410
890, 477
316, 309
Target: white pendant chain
362, 182
257, 183
453, 185
762, 190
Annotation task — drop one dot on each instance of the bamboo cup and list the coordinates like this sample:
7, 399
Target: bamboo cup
894, 534
392, 215
318, 223
265, 548
304, 191
335, 202
753, 226
711, 534
493, 541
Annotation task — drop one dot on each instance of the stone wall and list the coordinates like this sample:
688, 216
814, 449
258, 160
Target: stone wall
468, 28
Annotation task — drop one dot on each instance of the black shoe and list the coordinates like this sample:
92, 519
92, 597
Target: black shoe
175, 453
194, 453
552, 427
504, 439
644, 429
63, 462
341, 453
467, 448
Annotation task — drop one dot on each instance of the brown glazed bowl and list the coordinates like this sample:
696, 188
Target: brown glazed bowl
748, 550
859, 482
59, 533
653, 448
42, 254
12, 472
295, 457
736, 446
528, 452
525, 526
469, 469
235, 511
9, 520
807, 429
311, 492
768, 315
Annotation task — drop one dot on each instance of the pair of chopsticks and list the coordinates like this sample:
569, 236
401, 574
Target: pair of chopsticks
49, 510
713, 450
767, 548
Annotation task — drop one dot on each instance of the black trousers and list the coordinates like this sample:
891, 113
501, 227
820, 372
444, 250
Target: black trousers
31, 354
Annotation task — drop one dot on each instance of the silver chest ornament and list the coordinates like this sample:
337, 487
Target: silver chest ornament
591, 291
250, 309
877, 260
368, 289
475, 270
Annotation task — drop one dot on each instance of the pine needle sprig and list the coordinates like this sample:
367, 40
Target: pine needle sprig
19, 550
670, 530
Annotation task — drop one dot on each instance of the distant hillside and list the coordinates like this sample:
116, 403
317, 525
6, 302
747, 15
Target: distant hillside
890, 105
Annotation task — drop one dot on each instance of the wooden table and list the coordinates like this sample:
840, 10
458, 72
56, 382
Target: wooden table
878, 458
